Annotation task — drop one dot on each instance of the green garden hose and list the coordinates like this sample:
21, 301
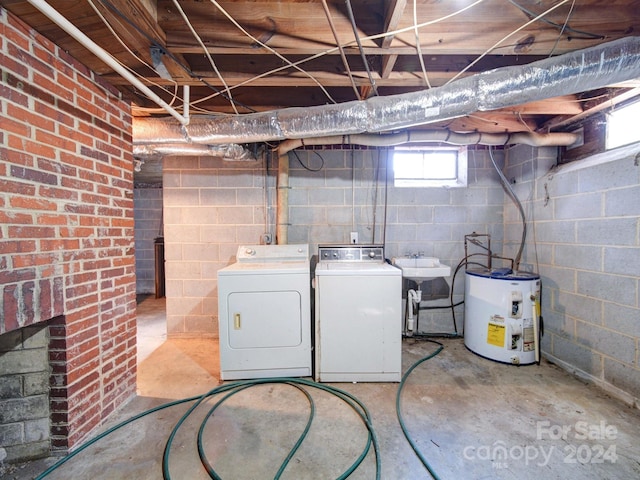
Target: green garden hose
231, 389
399, 409
235, 387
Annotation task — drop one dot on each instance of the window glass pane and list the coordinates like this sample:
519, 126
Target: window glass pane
441, 165
406, 164
430, 167
622, 126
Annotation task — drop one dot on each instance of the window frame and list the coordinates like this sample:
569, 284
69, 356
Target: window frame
461, 166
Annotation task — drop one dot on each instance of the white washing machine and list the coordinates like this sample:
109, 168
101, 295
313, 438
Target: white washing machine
264, 313
358, 327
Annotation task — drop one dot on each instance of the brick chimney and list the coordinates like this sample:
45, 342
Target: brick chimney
67, 269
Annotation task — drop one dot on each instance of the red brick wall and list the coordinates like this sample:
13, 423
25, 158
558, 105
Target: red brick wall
66, 225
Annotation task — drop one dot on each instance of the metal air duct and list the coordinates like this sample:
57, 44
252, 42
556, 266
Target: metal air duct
574, 72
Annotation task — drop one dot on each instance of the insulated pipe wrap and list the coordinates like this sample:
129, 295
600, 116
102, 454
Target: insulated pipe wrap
229, 152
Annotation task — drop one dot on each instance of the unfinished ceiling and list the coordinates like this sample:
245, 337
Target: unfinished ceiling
237, 55
241, 56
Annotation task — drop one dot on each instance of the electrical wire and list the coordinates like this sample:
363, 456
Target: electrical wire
515, 198
353, 190
134, 55
418, 46
590, 36
376, 181
564, 26
342, 54
490, 49
289, 64
462, 263
386, 197
351, 43
207, 54
186, 69
309, 168
266, 197
451, 305
421, 25
359, 43
264, 45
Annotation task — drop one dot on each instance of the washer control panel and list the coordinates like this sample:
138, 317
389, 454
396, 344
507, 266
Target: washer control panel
350, 253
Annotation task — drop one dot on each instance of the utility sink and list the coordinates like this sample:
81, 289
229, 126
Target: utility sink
421, 269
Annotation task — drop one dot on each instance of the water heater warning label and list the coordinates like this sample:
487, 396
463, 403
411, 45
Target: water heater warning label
495, 334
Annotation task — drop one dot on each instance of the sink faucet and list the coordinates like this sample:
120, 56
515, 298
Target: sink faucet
414, 255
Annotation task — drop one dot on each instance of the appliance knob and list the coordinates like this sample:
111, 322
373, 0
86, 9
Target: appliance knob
372, 254
250, 251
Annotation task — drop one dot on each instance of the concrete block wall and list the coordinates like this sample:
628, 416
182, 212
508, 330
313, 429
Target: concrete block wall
66, 226
147, 207
211, 207
584, 224
24, 393
348, 194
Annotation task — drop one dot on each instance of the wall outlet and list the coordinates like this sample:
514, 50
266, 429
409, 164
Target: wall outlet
354, 237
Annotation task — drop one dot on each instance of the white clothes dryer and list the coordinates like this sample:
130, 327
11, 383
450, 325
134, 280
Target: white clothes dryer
264, 313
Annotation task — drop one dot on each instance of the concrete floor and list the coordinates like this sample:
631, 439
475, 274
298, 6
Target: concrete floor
470, 417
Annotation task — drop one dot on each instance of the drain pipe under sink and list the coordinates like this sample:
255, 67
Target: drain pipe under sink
413, 299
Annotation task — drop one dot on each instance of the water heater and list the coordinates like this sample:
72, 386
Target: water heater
501, 315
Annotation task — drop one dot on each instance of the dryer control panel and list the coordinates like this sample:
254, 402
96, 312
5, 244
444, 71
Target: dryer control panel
351, 253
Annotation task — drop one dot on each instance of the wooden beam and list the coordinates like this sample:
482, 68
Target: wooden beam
143, 35
387, 65
393, 14
563, 105
492, 122
402, 80
556, 124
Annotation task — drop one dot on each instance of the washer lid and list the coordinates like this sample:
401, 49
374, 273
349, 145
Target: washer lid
356, 269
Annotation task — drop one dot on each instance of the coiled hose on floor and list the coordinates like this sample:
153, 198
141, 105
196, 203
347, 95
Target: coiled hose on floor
231, 389
235, 387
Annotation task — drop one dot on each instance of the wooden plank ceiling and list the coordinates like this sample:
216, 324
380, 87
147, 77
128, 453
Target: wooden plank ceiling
237, 54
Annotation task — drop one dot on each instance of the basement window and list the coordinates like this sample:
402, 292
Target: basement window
430, 167
622, 126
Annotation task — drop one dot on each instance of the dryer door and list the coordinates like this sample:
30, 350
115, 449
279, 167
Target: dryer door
264, 319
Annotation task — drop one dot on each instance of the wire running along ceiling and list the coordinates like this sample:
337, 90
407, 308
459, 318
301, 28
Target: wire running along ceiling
242, 57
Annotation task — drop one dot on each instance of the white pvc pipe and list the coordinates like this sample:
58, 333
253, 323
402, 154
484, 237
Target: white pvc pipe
185, 103
443, 136
103, 55
413, 297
